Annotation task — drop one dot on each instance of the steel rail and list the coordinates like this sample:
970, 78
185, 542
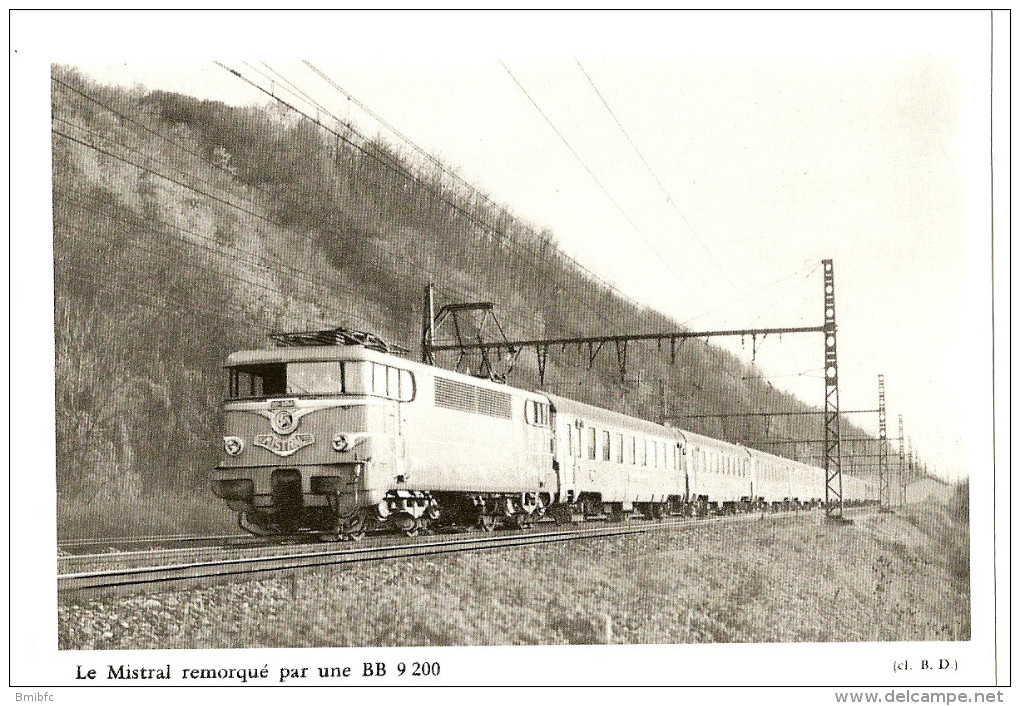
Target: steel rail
248, 566
165, 539
124, 579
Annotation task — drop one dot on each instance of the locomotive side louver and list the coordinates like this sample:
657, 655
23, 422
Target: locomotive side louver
466, 398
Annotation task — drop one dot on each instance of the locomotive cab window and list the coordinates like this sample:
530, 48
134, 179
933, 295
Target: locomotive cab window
387, 381
536, 413
319, 378
276, 379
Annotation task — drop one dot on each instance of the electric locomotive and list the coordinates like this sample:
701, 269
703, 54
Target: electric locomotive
327, 438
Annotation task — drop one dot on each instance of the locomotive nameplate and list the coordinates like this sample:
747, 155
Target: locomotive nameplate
282, 446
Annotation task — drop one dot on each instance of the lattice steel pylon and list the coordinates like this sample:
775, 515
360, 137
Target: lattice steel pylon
833, 454
884, 486
903, 483
910, 468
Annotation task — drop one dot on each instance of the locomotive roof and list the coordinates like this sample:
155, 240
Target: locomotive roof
305, 354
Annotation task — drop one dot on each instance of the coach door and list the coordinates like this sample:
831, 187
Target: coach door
568, 442
680, 449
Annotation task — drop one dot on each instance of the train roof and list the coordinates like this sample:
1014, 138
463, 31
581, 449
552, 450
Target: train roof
305, 354
607, 417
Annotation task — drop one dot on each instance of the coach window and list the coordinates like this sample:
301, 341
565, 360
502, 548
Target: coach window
618, 443
591, 443
655, 454
606, 452
644, 452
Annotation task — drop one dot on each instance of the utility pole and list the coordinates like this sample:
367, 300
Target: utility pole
832, 449
665, 404
902, 484
884, 489
910, 468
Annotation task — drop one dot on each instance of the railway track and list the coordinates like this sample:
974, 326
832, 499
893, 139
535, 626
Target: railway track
118, 544
177, 568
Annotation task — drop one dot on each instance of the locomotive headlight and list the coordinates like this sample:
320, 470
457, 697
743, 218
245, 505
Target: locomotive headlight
233, 445
341, 443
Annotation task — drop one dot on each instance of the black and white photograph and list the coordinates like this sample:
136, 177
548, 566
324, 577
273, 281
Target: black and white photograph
510, 348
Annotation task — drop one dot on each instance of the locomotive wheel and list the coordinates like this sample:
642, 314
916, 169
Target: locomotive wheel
487, 523
522, 521
246, 524
409, 526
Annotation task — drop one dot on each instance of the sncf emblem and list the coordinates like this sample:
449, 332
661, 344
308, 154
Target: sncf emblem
283, 446
284, 422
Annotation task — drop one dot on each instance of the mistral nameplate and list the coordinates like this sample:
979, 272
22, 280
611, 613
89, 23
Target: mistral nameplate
284, 446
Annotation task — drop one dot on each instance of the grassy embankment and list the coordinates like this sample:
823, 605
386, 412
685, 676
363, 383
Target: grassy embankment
893, 577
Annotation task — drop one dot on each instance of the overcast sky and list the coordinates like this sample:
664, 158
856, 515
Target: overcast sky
772, 141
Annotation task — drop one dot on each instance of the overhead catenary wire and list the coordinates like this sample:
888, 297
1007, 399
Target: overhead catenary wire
149, 161
633, 225
445, 170
474, 219
669, 197
597, 181
517, 244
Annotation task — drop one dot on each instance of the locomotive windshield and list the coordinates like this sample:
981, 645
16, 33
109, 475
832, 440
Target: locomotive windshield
334, 377
275, 379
